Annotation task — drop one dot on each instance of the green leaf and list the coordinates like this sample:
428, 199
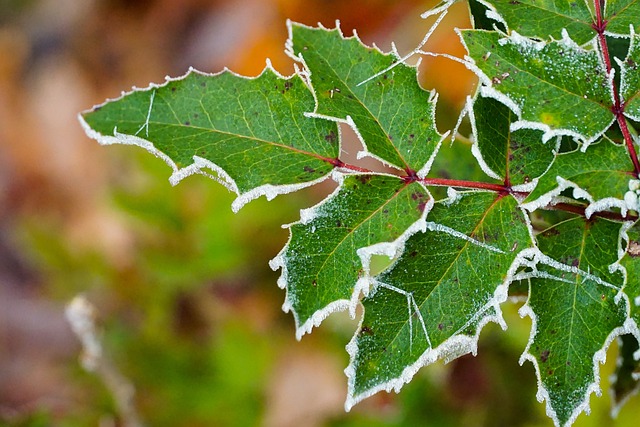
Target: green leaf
434, 300
550, 86
323, 260
630, 80
576, 308
545, 19
517, 156
600, 175
251, 132
374, 92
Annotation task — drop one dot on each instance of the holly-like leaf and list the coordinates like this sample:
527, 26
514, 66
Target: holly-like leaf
517, 157
550, 86
374, 92
434, 300
577, 309
600, 176
323, 259
251, 132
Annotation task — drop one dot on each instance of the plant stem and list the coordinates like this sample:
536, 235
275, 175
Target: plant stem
618, 108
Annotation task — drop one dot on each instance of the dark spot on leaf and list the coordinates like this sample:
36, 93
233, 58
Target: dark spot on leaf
187, 123
568, 363
203, 84
440, 326
287, 85
421, 206
544, 356
550, 372
331, 137
514, 2
173, 89
364, 179
553, 332
97, 109
338, 223
413, 254
365, 330
196, 115
309, 169
314, 283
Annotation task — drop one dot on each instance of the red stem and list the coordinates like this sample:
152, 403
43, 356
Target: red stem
618, 108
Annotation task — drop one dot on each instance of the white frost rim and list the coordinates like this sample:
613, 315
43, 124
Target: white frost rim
305, 73
362, 286
199, 164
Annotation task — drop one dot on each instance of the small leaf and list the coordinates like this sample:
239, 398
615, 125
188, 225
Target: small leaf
381, 96
516, 156
433, 302
321, 263
251, 132
550, 86
600, 175
576, 309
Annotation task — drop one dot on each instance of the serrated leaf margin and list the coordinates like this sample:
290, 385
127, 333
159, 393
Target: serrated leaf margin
451, 348
362, 286
487, 90
305, 74
199, 164
542, 395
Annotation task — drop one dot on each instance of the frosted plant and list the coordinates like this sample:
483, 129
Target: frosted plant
553, 122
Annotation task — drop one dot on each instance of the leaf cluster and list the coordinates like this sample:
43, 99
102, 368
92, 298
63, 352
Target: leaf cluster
554, 220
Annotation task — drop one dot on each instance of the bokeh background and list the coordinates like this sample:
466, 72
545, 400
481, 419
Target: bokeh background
188, 311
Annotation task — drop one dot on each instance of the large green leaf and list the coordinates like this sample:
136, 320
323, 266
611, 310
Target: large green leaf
434, 300
251, 132
620, 14
600, 176
517, 157
323, 259
550, 86
374, 92
577, 309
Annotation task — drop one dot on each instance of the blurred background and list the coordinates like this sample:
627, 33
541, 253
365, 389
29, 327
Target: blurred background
187, 309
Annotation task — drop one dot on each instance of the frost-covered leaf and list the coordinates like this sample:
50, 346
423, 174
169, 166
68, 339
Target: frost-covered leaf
434, 300
322, 261
517, 156
626, 379
251, 132
545, 19
392, 114
600, 176
550, 86
630, 80
577, 310
630, 262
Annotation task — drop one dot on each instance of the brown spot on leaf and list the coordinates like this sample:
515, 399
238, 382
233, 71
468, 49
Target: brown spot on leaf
544, 356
